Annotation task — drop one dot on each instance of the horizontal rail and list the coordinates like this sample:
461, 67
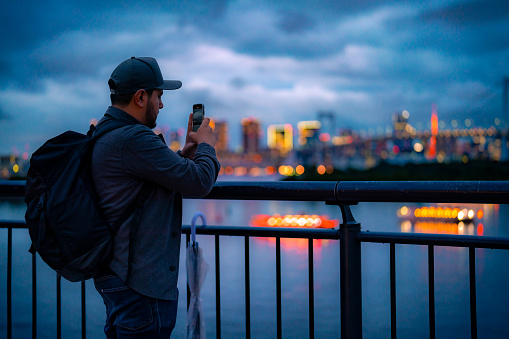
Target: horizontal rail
274, 232
333, 233
435, 239
493, 192
249, 231
275, 190
12, 188
14, 224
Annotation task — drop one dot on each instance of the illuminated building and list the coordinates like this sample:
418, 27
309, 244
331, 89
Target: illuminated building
251, 132
280, 138
328, 126
310, 151
434, 132
505, 93
400, 121
308, 133
221, 130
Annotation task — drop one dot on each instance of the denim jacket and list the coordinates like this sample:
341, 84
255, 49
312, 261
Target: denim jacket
122, 161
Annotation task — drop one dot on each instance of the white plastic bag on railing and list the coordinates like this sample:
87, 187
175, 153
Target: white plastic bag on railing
196, 271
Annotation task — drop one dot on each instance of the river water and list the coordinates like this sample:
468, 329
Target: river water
451, 278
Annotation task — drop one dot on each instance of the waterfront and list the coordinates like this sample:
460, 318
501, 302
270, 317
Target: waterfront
451, 279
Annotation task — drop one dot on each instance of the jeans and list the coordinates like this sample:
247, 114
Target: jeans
133, 315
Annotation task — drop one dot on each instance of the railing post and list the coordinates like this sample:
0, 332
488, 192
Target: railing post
218, 289
9, 283
83, 312
350, 275
34, 296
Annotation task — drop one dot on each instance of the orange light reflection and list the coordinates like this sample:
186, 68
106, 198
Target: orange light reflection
295, 244
296, 220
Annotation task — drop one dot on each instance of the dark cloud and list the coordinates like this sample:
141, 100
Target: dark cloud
3, 114
5, 67
471, 27
330, 9
471, 37
468, 13
30, 21
45, 39
295, 22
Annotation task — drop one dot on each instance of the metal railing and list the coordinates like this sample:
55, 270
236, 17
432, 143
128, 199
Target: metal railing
349, 234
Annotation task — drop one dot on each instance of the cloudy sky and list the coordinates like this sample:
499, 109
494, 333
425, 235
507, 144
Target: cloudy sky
280, 61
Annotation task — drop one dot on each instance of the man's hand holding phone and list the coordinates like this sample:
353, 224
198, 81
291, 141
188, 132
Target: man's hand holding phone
204, 133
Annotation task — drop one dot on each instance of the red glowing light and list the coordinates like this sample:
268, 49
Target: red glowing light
434, 124
324, 137
480, 229
432, 147
269, 170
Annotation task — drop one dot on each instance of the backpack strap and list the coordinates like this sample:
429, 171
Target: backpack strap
105, 127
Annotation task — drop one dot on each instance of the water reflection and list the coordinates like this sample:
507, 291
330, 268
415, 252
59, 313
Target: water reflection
440, 227
452, 214
445, 219
293, 220
295, 245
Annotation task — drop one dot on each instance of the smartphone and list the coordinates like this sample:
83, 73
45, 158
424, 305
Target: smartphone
198, 115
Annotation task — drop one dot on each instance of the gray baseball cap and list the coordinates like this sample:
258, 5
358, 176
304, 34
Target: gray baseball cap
139, 73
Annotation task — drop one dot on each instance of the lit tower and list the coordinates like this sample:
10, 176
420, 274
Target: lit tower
505, 113
250, 134
328, 122
434, 132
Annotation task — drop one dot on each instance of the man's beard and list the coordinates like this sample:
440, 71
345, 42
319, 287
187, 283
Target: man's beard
150, 116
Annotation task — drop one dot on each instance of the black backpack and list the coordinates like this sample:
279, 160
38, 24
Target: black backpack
64, 220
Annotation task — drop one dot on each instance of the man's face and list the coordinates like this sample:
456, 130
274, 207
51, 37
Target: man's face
154, 104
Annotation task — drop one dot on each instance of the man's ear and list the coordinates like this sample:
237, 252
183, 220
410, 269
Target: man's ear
140, 98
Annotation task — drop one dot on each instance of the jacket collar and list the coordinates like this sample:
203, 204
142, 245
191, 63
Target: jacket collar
117, 113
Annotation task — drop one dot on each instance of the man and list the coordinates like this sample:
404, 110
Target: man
139, 286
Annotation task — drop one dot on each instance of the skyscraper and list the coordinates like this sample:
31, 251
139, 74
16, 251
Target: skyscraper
251, 133
221, 130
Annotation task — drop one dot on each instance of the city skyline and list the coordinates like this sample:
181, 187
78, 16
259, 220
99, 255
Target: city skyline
316, 144
278, 62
